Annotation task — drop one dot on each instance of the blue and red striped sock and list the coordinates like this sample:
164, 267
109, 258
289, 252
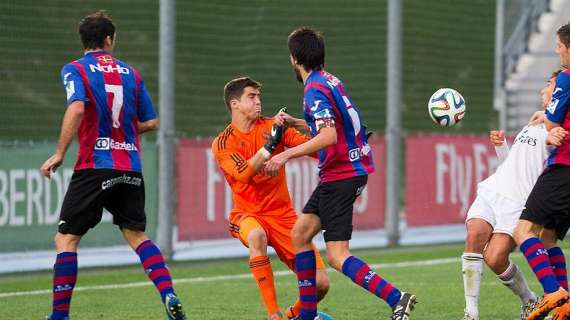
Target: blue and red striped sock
362, 275
64, 278
306, 269
538, 260
558, 263
155, 268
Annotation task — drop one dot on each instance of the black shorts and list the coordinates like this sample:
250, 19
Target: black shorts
333, 202
548, 204
91, 190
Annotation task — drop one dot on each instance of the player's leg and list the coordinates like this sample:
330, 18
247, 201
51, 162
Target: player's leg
306, 227
555, 256
125, 201
336, 217
547, 205
558, 262
497, 258
64, 274
480, 222
280, 239
253, 235
478, 233
80, 211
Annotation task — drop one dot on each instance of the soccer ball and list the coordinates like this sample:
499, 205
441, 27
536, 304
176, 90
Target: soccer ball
446, 107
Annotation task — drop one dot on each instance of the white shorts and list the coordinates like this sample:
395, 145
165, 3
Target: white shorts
500, 212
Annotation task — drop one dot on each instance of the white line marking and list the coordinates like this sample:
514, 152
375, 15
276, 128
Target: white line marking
394, 265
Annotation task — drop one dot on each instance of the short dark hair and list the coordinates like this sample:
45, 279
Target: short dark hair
234, 89
94, 28
307, 46
564, 34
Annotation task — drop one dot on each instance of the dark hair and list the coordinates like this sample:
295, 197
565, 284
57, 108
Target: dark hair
307, 46
234, 89
564, 34
94, 28
555, 73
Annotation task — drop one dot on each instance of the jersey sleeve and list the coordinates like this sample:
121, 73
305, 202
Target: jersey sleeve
558, 107
73, 84
293, 138
145, 110
231, 162
320, 109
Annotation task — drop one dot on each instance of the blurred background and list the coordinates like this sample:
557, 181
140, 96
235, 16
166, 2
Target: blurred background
497, 53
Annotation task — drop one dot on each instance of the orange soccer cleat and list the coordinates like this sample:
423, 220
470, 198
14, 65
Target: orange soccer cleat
562, 312
547, 303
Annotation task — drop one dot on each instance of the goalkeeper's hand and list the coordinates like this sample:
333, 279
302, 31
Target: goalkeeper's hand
274, 137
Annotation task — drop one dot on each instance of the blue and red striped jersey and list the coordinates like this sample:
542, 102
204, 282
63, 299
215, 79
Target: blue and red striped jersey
115, 99
326, 103
557, 112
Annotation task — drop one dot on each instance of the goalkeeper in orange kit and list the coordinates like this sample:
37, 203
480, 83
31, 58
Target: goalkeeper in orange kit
263, 214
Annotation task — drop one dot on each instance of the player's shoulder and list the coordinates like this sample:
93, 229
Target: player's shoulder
265, 121
223, 139
70, 66
123, 64
563, 80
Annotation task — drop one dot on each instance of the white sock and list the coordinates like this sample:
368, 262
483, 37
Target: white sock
513, 279
472, 267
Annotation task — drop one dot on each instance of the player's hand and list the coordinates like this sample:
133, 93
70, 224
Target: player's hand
51, 164
537, 117
274, 137
281, 117
273, 165
556, 136
497, 137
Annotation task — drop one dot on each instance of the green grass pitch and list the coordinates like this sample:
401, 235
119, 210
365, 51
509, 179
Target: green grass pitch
211, 290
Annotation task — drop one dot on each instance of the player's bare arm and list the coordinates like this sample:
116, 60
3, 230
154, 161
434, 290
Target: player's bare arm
556, 136
71, 121
326, 137
147, 126
550, 125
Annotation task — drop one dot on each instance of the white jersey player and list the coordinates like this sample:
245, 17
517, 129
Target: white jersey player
495, 212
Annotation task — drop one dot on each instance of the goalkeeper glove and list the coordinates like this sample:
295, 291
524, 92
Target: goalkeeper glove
275, 136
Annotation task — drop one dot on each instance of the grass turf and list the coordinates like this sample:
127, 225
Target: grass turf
439, 289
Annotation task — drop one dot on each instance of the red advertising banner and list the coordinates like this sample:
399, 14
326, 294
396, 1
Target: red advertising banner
205, 200
442, 173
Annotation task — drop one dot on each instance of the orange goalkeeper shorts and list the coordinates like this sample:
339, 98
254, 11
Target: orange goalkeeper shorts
278, 230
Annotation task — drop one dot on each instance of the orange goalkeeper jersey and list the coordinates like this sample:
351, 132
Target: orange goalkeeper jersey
254, 193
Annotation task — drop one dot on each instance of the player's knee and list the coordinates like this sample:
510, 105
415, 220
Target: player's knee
475, 241
299, 236
66, 242
257, 238
496, 261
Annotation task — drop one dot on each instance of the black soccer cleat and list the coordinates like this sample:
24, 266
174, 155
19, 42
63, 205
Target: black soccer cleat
402, 309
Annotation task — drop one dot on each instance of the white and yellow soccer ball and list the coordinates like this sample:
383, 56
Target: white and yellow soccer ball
446, 107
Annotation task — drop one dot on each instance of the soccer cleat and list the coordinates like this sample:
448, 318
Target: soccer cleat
562, 312
276, 316
527, 308
320, 315
402, 309
467, 316
290, 313
548, 303
49, 318
174, 307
